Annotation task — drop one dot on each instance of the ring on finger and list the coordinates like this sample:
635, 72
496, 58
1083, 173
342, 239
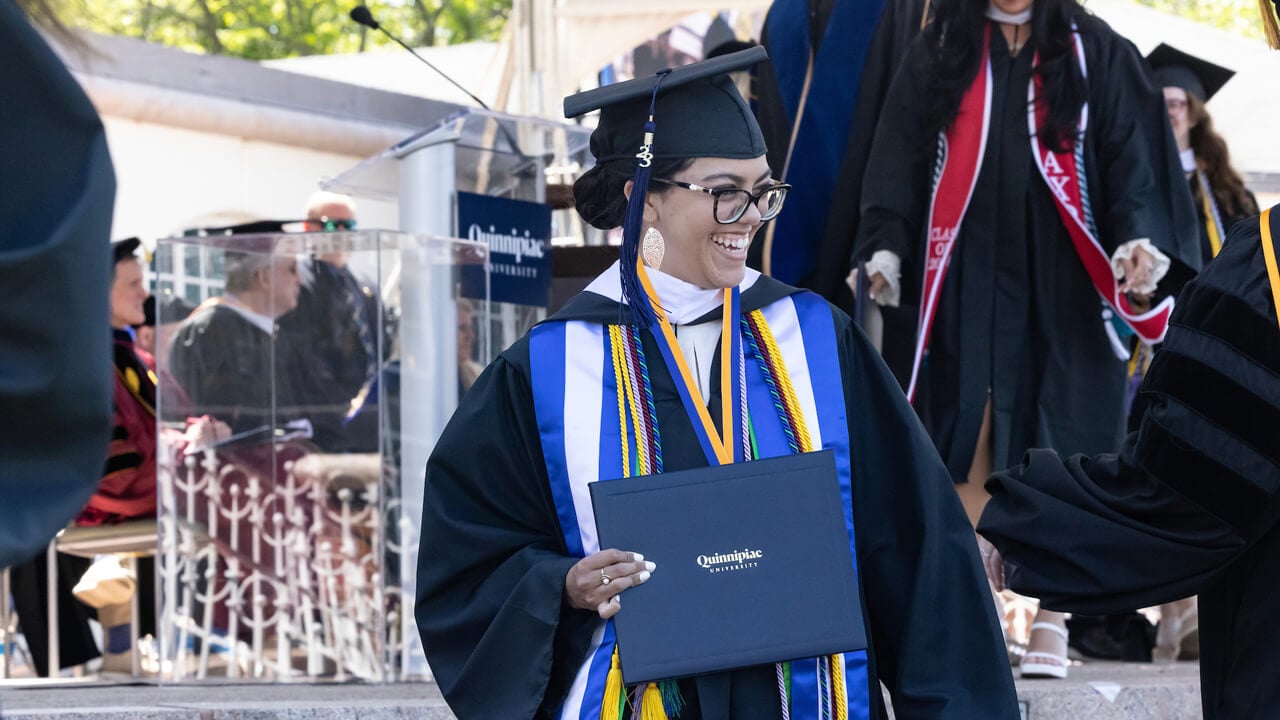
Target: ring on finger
604, 577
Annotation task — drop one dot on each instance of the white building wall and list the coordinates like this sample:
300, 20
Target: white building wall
170, 178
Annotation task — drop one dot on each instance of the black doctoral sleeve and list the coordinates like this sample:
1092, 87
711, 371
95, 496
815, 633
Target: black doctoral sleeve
935, 639
896, 181
55, 268
501, 641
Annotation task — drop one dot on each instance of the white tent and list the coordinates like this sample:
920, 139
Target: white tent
1245, 110
556, 43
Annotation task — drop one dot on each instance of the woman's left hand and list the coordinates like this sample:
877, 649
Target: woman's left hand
594, 582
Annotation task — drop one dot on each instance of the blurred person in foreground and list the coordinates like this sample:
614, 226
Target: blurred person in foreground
55, 267
1191, 504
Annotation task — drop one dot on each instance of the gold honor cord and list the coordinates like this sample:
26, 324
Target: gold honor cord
1211, 223
722, 446
1269, 254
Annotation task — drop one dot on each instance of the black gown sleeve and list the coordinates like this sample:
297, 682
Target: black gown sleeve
492, 562
55, 268
898, 25
896, 180
1145, 192
1192, 489
935, 637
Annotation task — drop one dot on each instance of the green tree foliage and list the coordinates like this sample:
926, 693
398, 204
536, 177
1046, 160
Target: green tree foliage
1237, 16
263, 29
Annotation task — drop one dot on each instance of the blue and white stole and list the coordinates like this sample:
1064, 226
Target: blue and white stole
575, 401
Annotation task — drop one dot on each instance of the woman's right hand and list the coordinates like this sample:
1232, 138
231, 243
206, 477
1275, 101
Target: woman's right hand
595, 581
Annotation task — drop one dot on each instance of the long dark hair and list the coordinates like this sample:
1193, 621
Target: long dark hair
1212, 157
955, 54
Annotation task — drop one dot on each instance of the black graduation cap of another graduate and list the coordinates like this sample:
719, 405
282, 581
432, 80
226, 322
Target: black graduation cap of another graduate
687, 112
1175, 68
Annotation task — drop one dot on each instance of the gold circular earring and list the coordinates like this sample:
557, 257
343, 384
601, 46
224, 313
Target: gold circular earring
653, 247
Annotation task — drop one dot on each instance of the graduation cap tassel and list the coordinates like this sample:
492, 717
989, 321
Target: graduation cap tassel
672, 700
612, 706
630, 251
651, 707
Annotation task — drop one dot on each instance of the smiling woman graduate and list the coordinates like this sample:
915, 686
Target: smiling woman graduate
680, 357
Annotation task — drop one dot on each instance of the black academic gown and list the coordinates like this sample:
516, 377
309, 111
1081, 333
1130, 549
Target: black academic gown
55, 268
326, 357
228, 368
503, 643
1190, 506
1018, 317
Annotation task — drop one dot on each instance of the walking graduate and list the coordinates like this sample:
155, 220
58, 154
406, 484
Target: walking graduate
1029, 202
1191, 504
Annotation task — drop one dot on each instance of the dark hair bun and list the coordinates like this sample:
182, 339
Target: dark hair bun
600, 198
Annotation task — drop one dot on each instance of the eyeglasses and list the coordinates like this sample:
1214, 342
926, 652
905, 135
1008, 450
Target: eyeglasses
328, 224
730, 204
1175, 105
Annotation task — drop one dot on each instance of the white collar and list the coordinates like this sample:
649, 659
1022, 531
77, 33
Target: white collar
684, 302
1000, 16
257, 319
1188, 158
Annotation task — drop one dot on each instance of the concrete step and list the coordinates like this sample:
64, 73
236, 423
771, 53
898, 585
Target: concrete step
1097, 691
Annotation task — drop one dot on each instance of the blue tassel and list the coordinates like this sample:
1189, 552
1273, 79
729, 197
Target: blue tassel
629, 254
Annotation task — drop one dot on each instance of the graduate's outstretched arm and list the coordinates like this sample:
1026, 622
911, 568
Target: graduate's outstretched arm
1098, 535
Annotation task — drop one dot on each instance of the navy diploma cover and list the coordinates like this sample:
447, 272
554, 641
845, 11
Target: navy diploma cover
753, 566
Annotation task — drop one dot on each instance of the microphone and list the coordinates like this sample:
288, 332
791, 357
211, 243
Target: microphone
361, 14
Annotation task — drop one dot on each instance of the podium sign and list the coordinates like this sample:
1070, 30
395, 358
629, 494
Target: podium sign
518, 234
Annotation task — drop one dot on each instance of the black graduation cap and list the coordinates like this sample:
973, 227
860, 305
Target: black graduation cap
124, 249
699, 109
1175, 68
687, 112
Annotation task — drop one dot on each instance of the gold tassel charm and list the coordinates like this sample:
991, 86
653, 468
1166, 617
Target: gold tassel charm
611, 707
651, 707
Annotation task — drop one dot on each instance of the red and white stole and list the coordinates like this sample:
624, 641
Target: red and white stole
961, 149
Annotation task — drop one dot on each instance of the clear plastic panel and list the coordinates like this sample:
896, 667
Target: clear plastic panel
496, 154
290, 470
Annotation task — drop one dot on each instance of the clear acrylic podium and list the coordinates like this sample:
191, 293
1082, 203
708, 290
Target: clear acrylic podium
287, 522
486, 153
